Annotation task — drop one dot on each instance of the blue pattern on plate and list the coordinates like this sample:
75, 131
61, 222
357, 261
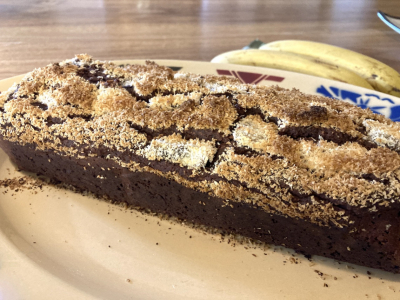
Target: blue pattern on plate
374, 102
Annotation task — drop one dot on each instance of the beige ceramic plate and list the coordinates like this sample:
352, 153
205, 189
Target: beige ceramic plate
55, 244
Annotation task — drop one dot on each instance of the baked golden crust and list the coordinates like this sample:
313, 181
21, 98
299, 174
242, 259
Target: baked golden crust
291, 154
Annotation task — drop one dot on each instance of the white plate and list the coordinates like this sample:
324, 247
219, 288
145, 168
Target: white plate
56, 244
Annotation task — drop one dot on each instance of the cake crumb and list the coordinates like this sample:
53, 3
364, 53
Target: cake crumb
20, 183
391, 288
319, 273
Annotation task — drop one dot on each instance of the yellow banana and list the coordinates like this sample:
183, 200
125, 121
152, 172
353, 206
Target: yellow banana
290, 62
382, 77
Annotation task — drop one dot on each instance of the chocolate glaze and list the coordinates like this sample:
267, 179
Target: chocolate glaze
327, 134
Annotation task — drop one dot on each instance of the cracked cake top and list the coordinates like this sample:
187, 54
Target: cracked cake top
294, 154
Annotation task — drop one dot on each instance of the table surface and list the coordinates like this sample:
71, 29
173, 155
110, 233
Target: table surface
36, 33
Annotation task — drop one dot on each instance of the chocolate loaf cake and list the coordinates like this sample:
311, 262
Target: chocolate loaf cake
311, 173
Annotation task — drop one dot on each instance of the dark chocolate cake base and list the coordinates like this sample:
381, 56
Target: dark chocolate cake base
106, 178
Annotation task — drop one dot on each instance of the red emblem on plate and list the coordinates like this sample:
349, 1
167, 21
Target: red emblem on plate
247, 77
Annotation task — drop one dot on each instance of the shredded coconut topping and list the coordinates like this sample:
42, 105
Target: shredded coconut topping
383, 134
281, 150
193, 154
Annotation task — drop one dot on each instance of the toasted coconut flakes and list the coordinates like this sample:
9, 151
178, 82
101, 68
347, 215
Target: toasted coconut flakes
53, 105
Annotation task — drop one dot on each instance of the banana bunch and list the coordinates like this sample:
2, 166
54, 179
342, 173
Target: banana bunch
321, 60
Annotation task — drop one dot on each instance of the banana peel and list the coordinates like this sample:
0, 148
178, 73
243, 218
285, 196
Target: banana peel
379, 75
291, 62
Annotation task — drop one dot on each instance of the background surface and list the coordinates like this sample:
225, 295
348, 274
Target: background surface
66, 262
35, 33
